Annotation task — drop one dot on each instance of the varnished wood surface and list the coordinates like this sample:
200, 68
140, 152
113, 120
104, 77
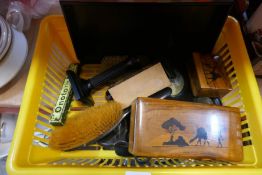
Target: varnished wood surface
201, 75
168, 128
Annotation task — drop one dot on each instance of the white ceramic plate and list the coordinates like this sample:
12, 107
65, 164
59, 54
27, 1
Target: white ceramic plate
15, 58
5, 38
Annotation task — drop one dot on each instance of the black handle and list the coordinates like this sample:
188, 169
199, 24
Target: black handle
82, 88
113, 72
121, 149
162, 94
75, 83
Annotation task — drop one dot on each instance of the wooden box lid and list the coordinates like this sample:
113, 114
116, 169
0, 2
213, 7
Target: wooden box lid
176, 129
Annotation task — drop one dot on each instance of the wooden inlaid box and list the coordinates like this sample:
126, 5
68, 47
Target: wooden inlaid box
176, 129
208, 76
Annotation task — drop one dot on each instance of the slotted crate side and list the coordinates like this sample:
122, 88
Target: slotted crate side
53, 80
234, 98
28, 157
125, 162
28, 110
36, 103
245, 95
59, 57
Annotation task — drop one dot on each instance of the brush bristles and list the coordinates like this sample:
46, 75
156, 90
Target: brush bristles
85, 126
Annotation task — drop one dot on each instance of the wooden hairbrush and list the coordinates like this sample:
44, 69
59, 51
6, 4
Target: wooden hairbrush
92, 124
85, 126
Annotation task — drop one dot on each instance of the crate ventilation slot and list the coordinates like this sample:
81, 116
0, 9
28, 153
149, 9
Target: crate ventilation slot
234, 98
139, 162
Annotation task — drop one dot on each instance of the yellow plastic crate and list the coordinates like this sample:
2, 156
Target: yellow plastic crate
30, 155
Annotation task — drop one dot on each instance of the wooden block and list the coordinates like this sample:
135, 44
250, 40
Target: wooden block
176, 129
142, 84
208, 77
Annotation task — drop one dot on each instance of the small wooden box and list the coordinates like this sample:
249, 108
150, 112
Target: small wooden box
208, 76
176, 129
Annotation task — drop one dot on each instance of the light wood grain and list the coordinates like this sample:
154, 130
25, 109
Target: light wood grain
168, 128
200, 77
142, 84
